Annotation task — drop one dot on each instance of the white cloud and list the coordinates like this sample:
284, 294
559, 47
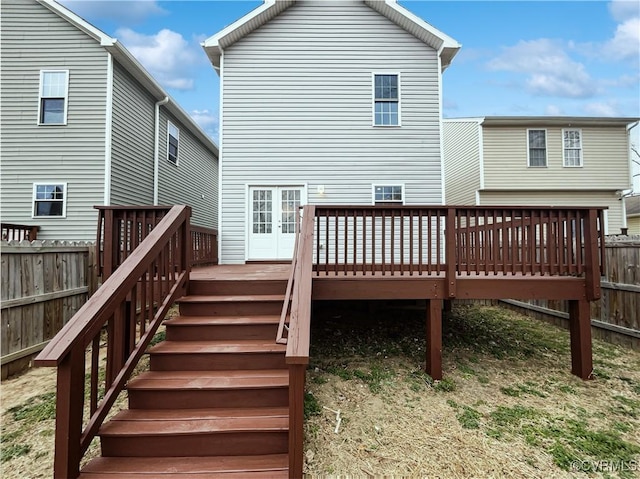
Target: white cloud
204, 118
553, 110
126, 12
622, 10
548, 68
607, 108
625, 43
167, 56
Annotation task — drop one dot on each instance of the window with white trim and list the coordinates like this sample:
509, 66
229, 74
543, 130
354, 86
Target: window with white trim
537, 150
386, 100
388, 194
49, 199
173, 139
54, 86
572, 147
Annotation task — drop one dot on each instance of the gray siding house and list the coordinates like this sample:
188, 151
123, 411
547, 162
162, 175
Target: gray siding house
324, 103
84, 124
539, 161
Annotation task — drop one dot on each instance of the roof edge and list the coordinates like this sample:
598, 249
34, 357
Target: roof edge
133, 66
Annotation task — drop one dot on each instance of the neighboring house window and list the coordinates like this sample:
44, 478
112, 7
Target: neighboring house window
572, 147
388, 193
537, 147
49, 199
172, 146
386, 99
53, 97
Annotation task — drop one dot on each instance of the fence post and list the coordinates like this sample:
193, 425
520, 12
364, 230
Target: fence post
450, 252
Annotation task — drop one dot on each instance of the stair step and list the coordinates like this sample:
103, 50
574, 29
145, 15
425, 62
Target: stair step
272, 465
231, 305
189, 433
237, 286
217, 355
190, 328
201, 389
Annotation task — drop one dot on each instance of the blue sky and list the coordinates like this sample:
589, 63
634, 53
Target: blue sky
577, 58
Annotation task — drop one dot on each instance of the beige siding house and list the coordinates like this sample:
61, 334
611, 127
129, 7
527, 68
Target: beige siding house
84, 124
633, 214
326, 103
539, 161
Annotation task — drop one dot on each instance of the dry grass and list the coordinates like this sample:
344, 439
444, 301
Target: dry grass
508, 407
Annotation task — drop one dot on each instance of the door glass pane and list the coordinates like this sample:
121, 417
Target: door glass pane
290, 202
262, 208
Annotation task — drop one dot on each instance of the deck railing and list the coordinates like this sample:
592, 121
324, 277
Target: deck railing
124, 314
122, 228
297, 309
14, 232
452, 241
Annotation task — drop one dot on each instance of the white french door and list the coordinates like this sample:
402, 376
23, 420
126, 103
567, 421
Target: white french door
272, 221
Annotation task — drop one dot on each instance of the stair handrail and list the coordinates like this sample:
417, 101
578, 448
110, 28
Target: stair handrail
286, 307
298, 339
126, 311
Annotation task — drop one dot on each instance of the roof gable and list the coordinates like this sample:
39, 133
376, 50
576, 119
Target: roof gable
129, 62
446, 46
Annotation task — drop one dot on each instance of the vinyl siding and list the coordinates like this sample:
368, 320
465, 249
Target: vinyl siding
33, 38
133, 134
194, 180
461, 156
561, 198
297, 99
604, 157
633, 223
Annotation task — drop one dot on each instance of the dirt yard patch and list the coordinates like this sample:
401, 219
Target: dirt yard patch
508, 406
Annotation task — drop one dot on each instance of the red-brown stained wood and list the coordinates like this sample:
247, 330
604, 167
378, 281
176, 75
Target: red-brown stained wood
580, 335
167, 466
433, 363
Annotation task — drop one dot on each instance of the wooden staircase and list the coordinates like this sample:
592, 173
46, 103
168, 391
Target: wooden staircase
215, 401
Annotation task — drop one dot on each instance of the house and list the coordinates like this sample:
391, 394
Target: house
632, 204
539, 161
84, 124
324, 103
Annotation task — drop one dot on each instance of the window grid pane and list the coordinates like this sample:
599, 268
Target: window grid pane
49, 200
386, 100
262, 212
54, 84
572, 148
388, 193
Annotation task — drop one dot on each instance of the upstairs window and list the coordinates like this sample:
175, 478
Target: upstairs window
50, 199
572, 147
386, 99
537, 152
52, 109
388, 194
172, 143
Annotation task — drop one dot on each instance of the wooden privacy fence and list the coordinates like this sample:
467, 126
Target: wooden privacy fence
616, 316
43, 284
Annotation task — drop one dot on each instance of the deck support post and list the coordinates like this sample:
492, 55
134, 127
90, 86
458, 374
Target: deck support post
580, 330
433, 365
296, 419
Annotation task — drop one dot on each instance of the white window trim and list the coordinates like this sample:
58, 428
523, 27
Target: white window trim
64, 199
169, 125
546, 149
373, 99
40, 97
373, 193
564, 159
